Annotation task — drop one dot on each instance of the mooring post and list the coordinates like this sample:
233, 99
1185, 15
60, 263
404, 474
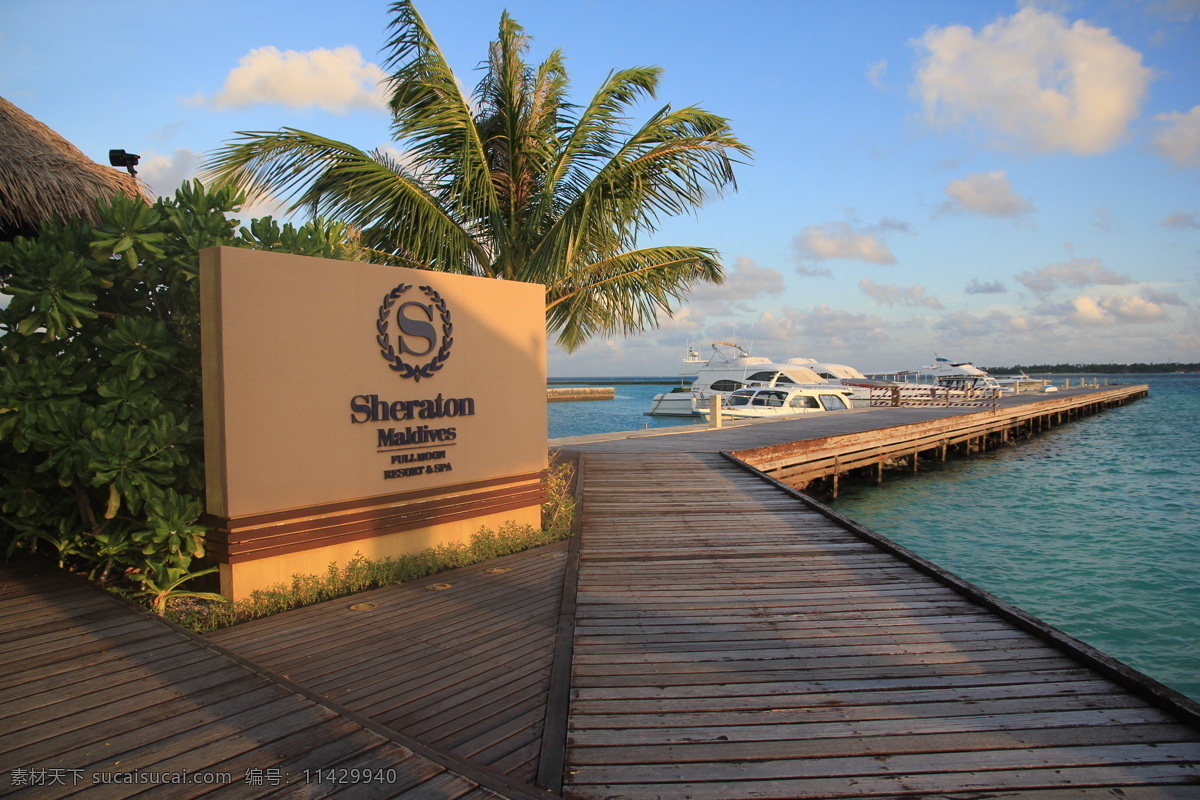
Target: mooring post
714, 405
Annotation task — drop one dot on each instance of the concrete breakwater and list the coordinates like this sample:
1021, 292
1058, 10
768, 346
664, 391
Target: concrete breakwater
559, 395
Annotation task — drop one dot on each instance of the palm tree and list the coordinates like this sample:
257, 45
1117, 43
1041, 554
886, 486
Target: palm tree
513, 182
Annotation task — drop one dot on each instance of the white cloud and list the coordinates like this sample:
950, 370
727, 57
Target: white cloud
745, 280
820, 328
334, 80
987, 193
1174, 10
991, 287
1034, 82
1089, 311
1179, 139
890, 295
166, 173
1076, 272
877, 75
265, 206
1162, 298
1105, 220
961, 325
838, 240
684, 320
1180, 220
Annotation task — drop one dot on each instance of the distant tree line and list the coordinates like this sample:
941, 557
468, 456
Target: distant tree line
1103, 369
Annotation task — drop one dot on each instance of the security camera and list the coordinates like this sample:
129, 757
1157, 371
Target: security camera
119, 158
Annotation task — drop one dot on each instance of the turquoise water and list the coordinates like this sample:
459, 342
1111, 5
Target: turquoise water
1093, 526
623, 413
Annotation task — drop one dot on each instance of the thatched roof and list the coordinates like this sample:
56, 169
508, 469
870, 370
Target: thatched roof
42, 175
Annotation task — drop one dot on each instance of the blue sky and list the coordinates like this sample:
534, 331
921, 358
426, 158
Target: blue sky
990, 181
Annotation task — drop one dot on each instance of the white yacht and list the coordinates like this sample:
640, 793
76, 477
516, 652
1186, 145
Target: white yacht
959, 377
860, 384
781, 402
728, 369
1021, 383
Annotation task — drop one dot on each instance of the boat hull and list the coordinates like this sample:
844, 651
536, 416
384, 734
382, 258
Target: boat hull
673, 404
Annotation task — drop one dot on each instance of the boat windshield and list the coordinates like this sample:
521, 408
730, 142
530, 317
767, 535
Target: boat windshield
766, 377
804, 401
833, 402
771, 399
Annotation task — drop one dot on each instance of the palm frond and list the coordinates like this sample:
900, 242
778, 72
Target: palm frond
433, 118
398, 215
370, 191
594, 136
668, 167
626, 293
274, 164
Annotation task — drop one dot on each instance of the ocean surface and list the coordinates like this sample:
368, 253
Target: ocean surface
1093, 526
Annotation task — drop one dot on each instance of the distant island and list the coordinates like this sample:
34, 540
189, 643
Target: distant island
1102, 369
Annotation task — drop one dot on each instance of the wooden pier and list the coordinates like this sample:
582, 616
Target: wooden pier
100, 698
798, 463
727, 645
708, 632
563, 394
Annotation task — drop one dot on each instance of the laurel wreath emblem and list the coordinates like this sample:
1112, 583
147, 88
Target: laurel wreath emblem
416, 372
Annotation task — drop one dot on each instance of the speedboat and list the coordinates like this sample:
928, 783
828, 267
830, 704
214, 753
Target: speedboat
778, 402
730, 369
959, 377
962, 375
859, 384
1019, 382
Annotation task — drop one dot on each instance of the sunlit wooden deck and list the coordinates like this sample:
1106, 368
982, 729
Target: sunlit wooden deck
732, 643
99, 698
460, 660
708, 633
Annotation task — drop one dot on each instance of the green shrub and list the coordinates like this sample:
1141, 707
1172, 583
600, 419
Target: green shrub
361, 574
101, 444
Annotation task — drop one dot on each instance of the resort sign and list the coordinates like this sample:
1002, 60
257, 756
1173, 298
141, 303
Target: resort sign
356, 408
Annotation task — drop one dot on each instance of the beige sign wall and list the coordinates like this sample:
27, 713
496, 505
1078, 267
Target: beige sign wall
335, 391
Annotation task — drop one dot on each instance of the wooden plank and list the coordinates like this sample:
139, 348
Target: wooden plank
142, 698
779, 701
881, 783
713, 658
799, 732
1166, 753
845, 686
439, 665
889, 743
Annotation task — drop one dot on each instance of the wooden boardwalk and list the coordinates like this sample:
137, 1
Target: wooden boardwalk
100, 699
757, 435
708, 633
460, 661
731, 643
